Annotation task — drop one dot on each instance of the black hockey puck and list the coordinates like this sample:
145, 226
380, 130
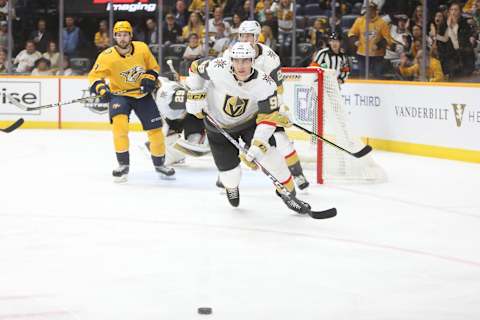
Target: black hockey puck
205, 310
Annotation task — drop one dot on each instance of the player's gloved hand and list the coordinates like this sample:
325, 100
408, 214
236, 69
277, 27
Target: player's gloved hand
196, 103
103, 90
147, 82
255, 152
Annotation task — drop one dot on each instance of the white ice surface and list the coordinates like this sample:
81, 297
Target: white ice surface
74, 245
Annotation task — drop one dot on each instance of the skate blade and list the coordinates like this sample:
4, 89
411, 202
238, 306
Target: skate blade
121, 179
165, 177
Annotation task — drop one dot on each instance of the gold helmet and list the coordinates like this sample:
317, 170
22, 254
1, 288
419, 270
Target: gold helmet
122, 26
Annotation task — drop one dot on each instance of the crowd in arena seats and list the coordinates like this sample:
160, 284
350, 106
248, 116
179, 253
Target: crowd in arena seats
394, 48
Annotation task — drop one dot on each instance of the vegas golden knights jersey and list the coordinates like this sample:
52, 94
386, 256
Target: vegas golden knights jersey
231, 102
123, 72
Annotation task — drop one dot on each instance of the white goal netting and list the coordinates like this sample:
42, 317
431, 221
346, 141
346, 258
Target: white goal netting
307, 107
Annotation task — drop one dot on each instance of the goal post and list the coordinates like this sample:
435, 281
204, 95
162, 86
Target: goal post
314, 101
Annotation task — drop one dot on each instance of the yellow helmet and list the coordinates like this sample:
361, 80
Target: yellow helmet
122, 26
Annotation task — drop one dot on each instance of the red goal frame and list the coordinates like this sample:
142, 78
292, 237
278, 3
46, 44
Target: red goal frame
319, 73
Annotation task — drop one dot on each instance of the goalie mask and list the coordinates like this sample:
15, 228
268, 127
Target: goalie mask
242, 50
250, 27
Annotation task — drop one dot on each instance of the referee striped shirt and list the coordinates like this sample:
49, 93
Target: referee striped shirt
326, 58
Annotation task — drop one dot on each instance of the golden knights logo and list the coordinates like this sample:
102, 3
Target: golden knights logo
132, 75
458, 110
235, 106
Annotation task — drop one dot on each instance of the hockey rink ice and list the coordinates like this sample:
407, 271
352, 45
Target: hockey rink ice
74, 245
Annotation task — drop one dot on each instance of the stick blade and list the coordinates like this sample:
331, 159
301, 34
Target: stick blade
325, 214
13, 126
366, 150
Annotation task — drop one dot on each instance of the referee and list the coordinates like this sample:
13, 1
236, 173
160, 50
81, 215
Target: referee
333, 58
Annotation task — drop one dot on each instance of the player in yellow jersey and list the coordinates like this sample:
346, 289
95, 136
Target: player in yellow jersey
129, 65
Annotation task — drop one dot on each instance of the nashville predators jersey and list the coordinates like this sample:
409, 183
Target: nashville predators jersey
124, 72
231, 102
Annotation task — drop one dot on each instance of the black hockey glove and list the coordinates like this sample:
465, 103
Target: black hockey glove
103, 90
148, 80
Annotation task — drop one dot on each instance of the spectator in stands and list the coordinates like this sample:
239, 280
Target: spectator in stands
417, 17
244, 10
470, 6
379, 40
460, 41
417, 39
25, 59
236, 21
221, 40
433, 69
216, 20
3, 35
139, 30
41, 36
102, 40
3, 61
172, 33
67, 71
52, 55
260, 8
475, 12
194, 25
194, 49
402, 38
199, 6
266, 37
4, 10
272, 22
152, 32
193, 52
181, 13
72, 38
317, 33
42, 68
284, 13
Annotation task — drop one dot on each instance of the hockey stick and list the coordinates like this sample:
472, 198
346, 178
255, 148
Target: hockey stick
365, 150
17, 103
13, 126
325, 214
172, 68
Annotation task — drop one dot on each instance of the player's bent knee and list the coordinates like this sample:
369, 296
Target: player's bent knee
120, 132
157, 142
275, 163
231, 178
284, 145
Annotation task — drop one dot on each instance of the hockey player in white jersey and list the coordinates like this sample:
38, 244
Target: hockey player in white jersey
243, 101
171, 98
267, 60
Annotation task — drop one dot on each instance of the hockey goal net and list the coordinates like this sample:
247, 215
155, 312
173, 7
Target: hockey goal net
315, 102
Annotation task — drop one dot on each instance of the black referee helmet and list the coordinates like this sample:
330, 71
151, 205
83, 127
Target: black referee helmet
334, 36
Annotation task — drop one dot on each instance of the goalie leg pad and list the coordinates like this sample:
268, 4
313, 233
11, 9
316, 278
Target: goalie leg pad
120, 133
157, 142
231, 178
192, 149
173, 156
